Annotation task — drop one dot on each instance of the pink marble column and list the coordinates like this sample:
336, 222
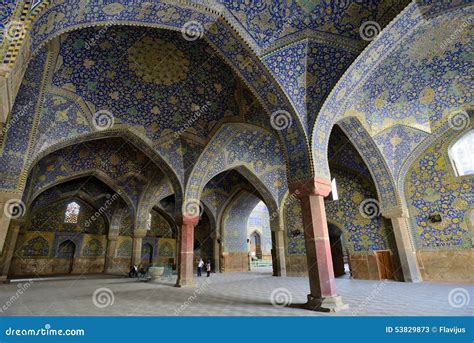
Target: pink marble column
323, 296
186, 250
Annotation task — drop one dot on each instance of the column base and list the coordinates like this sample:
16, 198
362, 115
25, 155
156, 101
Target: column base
184, 283
4, 279
326, 304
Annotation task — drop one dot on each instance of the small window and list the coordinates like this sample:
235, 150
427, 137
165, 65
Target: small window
462, 154
72, 213
334, 194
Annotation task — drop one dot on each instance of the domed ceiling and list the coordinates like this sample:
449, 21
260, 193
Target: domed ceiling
267, 21
150, 78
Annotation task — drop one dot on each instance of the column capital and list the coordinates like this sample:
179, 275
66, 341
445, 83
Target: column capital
187, 220
312, 186
5, 196
114, 238
140, 233
395, 212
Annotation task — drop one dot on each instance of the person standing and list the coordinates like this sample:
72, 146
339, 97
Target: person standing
208, 268
200, 265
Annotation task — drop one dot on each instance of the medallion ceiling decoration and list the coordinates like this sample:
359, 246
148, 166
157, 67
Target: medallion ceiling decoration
66, 16
82, 76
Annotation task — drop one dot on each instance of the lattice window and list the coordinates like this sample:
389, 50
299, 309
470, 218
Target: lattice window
72, 213
462, 154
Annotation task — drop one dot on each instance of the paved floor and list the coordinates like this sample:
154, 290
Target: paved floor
228, 294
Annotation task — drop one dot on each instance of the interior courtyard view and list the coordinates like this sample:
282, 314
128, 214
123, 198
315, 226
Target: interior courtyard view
236, 158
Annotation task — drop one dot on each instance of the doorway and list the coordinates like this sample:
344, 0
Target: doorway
147, 254
384, 265
337, 249
66, 252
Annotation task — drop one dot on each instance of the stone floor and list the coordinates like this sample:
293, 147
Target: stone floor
228, 294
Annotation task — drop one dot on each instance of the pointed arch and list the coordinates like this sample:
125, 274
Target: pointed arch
117, 132
217, 32
384, 182
224, 152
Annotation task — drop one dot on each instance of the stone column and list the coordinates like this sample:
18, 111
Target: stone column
186, 250
406, 253
216, 252
137, 246
11, 207
6, 259
280, 252
278, 247
323, 296
110, 254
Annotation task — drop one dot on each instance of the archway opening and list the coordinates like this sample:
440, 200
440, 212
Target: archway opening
79, 211
338, 253
147, 254
363, 237
260, 238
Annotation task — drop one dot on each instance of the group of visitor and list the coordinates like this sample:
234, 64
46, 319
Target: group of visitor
201, 265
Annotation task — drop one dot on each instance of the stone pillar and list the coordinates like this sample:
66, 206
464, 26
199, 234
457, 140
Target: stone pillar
406, 253
6, 259
186, 250
110, 254
279, 247
216, 252
137, 246
323, 296
278, 253
11, 207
